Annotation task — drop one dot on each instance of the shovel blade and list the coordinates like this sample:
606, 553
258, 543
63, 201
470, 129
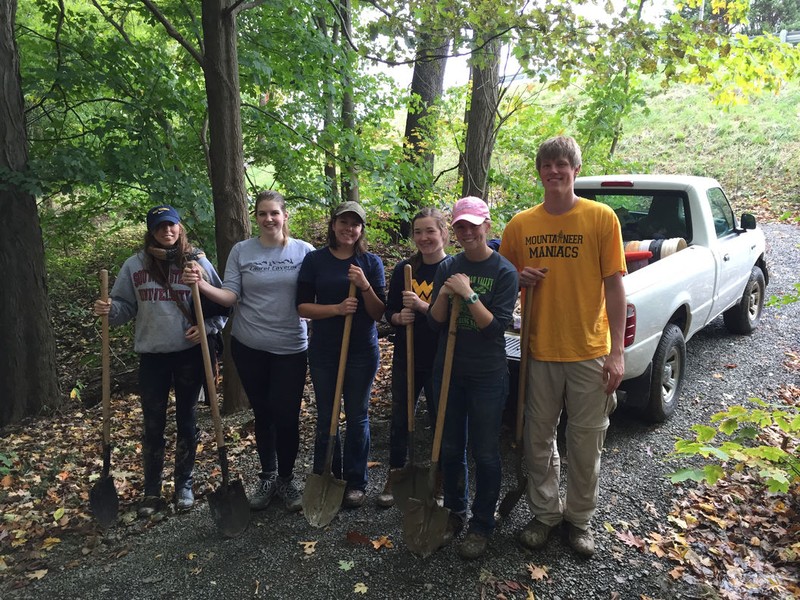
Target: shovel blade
322, 498
103, 501
230, 509
409, 482
424, 526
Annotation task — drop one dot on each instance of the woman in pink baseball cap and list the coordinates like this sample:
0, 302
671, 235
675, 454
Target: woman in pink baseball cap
487, 284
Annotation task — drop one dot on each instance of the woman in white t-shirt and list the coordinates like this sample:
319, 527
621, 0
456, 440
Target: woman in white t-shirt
268, 342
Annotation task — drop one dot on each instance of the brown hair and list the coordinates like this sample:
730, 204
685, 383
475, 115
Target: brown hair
561, 146
434, 213
273, 196
361, 242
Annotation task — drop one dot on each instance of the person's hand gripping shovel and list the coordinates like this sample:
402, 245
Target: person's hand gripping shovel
411, 480
103, 500
228, 503
425, 522
322, 496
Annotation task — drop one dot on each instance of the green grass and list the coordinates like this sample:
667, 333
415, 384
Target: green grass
752, 149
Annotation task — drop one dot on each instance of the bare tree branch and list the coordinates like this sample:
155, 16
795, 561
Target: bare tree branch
173, 33
118, 26
241, 5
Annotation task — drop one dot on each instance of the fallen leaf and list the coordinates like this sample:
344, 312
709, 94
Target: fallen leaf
7, 481
37, 574
373, 463
346, 565
360, 588
308, 547
50, 542
191, 555
382, 542
357, 539
537, 573
58, 514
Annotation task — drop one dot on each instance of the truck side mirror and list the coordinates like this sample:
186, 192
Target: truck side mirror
748, 221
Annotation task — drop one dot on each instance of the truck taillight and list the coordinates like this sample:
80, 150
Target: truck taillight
630, 325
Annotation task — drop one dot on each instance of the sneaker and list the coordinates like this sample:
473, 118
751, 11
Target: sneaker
289, 491
581, 540
535, 534
353, 498
264, 491
386, 498
474, 546
184, 498
149, 506
455, 523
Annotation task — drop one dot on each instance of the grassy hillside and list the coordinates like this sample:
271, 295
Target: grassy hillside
753, 149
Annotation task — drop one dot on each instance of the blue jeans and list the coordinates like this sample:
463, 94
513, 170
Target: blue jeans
359, 374
473, 414
398, 434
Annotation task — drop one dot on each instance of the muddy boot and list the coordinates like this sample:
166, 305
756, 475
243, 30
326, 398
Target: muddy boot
185, 452
153, 466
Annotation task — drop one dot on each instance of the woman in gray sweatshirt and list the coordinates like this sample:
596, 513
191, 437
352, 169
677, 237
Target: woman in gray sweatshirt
149, 289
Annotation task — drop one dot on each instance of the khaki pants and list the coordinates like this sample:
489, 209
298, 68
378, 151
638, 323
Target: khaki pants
578, 388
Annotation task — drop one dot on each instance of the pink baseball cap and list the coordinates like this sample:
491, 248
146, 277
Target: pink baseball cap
471, 209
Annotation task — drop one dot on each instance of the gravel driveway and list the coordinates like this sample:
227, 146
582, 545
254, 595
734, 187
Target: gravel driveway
183, 556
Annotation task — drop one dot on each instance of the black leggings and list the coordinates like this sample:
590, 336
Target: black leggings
274, 385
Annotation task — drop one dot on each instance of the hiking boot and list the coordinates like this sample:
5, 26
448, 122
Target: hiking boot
386, 498
455, 523
287, 489
474, 546
184, 498
149, 506
535, 534
353, 498
264, 491
581, 540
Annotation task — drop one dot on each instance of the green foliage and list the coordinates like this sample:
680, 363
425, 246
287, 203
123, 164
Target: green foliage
762, 441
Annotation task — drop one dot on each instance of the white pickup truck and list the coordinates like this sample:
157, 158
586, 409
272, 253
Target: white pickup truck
704, 264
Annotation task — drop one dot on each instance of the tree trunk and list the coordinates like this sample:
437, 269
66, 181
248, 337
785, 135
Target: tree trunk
28, 379
326, 139
481, 131
221, 72
427, 84
349, 170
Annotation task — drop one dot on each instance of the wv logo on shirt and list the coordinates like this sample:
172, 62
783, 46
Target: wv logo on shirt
423, 289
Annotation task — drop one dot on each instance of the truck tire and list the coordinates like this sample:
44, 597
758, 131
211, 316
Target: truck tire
669, 367
743, 318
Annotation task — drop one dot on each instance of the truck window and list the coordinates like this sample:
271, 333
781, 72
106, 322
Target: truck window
653, 215
724, 221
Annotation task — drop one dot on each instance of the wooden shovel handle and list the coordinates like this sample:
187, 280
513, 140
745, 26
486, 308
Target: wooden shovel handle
411, 397
337, 398
105, 361
211, 383
524, 334
455, 308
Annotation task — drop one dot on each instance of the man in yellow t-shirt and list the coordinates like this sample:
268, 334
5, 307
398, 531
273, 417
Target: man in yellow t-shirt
570, 256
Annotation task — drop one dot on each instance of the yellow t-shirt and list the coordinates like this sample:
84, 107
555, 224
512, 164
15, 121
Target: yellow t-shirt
579, 248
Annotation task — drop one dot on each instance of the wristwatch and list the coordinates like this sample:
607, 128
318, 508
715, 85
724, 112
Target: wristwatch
471, 299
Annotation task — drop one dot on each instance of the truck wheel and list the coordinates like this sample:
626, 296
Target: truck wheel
669, 366
744, 317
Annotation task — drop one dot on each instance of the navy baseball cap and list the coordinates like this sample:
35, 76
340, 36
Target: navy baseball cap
159, 214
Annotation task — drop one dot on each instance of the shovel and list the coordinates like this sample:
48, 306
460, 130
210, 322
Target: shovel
103, 500
322, 496
512, 496
410, 481
228, 503
425, 522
